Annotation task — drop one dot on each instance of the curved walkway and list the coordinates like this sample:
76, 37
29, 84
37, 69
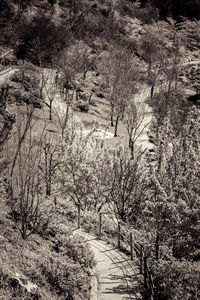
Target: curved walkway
116, 275
5, 74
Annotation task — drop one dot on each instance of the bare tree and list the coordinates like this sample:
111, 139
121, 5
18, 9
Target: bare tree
22, 128
49, 89
25, 189
119, 80
136, 121
72, 68
74, 64
153, 45
77, 171
51, 158
123, 183
65, 109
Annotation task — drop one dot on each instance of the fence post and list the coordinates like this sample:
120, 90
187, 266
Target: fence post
131, 245
151, 286
55, 201
155, 293
145, 271
118, 236
100, 223
79, 216
141, 258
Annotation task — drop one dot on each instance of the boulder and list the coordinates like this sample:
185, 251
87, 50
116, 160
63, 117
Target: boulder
22, 280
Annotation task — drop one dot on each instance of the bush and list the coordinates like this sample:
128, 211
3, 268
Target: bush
177, 279
24, 87
76, 249
65, 276
37, 37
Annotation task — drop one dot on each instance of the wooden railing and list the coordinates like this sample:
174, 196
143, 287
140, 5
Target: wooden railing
139, 249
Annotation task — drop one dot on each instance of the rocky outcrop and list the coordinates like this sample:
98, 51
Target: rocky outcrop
22, 280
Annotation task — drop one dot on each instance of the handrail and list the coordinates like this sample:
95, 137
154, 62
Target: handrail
6, 53
139, 249
146, 271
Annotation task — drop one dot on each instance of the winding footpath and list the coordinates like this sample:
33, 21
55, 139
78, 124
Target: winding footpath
5, 74
116, 276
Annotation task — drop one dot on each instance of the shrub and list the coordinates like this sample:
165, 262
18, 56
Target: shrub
24, 87
37, 37
66, 277
177, 279
74, 248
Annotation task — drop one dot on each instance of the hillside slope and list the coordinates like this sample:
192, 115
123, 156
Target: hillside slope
95, 118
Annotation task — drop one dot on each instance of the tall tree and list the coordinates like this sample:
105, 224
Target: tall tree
136, 120
51, 159
123, 182
120, 79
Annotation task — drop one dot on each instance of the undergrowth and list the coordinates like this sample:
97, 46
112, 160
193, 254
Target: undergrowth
58, 262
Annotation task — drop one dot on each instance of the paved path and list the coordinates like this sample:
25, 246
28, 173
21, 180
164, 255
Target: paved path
117, 275
5, 74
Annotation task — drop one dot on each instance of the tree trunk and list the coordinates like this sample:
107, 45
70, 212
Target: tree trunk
79, 216
132, 150
21, 139
84, 74
48, 176
111, 119
149, 70
118, 236
41, 92
123, 216
169, 89
65, 120
157, 245
152, 90
77, 95
90, 97
50, 110
48, 189
116, 126
130, 142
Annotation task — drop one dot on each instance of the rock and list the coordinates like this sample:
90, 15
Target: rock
25, 283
